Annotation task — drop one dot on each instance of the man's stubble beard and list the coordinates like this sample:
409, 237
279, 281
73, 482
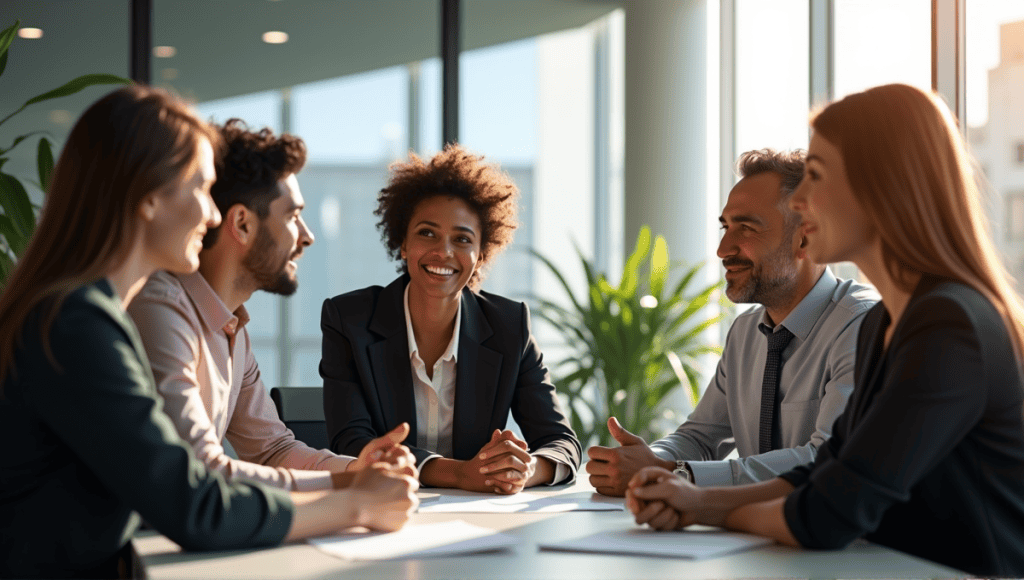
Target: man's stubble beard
267, 271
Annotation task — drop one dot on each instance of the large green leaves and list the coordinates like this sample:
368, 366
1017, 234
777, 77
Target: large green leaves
70, 88
619, 349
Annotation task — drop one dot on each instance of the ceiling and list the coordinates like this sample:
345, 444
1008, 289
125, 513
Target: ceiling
220, 53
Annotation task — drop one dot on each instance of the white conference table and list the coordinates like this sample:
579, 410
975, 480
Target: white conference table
163, 559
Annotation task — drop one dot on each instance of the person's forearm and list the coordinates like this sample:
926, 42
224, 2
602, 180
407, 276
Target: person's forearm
321, 512
764, 518
717, 504
544, 472
441, 472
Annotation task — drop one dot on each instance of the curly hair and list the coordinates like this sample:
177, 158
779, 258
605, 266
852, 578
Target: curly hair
249, 168
457, 173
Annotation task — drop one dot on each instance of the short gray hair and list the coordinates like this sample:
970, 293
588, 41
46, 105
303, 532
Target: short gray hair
788, 164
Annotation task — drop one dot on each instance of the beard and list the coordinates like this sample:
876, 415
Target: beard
769, 283
268, 268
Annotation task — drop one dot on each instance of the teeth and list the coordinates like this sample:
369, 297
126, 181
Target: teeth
439, 271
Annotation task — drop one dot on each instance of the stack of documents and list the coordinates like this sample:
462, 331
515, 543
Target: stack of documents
647, 542
415, 541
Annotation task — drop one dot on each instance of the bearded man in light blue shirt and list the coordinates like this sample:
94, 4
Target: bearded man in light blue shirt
786, 371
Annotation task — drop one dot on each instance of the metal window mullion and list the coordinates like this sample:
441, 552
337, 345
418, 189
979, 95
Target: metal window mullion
451, 45
140, 41
949, 55
821, 29
285, 344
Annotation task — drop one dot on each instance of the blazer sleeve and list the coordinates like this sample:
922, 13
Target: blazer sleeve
351, 406
102, 404
925, 405
536, 408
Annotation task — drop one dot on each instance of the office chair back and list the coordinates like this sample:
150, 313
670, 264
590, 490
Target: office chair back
302, 410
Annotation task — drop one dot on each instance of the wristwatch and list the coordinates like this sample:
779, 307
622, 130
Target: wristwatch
683, 470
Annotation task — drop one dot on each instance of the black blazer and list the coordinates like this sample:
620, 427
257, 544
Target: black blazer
928, 457
368, 379
85, 449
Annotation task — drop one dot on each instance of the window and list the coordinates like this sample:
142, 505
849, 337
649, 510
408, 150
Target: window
1015, 217
359, 104
995, 118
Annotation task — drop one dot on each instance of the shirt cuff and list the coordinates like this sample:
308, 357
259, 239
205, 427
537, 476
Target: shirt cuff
711, 473
663, 453
426, 460
310, 480
562, 471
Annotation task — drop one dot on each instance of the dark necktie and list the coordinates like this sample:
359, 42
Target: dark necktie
777, 342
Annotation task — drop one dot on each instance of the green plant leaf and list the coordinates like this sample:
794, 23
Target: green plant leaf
19, 139
14, 199
7, 36
6, 267
558, 274
630, 273
3, 63
72, 87
14, 239
659, 266
44, 159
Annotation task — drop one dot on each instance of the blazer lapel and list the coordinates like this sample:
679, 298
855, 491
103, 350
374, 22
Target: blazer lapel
389, 358
476, 381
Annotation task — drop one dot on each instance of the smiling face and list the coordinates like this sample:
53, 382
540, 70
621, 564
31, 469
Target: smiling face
280, 240
757, 249
178, 217
442, 246
833, 221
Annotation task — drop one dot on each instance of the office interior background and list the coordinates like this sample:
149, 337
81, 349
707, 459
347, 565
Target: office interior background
608, 115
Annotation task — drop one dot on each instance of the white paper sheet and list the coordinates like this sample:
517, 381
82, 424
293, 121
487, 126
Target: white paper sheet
415, 541
694, 545
518, 503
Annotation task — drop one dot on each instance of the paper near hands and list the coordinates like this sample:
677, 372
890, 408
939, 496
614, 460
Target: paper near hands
415, 541
518, 503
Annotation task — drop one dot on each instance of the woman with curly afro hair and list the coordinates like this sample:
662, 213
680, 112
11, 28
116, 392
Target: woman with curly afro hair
434, 350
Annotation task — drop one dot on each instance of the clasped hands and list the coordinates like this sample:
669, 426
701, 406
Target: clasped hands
503, 466
385, 453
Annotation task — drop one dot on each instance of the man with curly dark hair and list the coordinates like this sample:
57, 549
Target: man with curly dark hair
433, 350
193, 326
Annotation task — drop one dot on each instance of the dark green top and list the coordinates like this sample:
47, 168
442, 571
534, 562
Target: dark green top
86, 449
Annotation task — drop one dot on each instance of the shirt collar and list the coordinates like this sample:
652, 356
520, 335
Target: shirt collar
453, 345
211, 308
802, 318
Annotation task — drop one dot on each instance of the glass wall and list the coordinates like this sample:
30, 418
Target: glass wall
64, 45
772, 74
360, 83
882, 41
995, 118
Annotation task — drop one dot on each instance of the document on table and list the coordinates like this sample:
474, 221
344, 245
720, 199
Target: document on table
415, 541
694, 545
518, 503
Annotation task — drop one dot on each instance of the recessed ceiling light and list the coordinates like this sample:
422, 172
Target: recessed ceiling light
164, 51
275, 37
60, 117
30, 32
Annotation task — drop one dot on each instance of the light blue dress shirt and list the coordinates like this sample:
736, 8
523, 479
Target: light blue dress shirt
815, 382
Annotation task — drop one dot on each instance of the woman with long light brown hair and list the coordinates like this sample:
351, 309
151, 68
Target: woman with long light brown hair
86, 449
928, 457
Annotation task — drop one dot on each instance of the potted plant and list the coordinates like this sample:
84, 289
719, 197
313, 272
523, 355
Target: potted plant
18, 220
631, 345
